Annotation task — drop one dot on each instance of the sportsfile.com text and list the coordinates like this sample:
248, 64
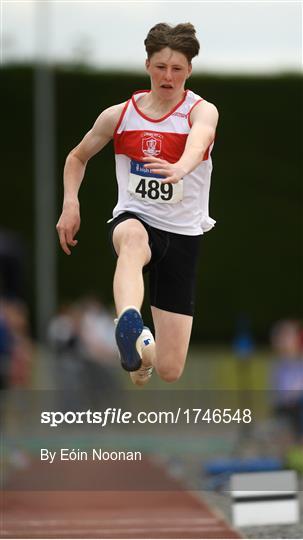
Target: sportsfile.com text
118, 416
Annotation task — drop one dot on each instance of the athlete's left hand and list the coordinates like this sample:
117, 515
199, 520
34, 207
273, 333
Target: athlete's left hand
172, 172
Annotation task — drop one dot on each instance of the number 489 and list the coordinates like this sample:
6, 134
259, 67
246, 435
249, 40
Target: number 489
154, 189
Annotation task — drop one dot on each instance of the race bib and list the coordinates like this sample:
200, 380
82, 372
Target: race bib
149, 187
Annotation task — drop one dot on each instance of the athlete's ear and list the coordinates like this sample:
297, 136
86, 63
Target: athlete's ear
147, 63
190, 68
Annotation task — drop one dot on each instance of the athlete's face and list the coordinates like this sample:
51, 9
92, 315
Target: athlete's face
168, 71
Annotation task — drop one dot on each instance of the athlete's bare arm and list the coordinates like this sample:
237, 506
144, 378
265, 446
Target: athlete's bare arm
204, 119
75, 165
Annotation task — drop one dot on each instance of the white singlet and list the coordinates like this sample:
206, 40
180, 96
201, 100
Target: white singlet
179, 208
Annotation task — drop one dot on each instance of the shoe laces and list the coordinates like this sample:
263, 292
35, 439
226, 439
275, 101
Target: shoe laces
145, 371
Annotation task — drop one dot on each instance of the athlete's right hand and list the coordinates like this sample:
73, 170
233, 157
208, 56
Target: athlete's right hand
68, 225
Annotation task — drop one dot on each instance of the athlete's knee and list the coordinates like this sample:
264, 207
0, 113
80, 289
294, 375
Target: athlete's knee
170, 372
132, 239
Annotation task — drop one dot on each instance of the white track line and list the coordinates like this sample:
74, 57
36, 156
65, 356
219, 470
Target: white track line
120, 521
115, 531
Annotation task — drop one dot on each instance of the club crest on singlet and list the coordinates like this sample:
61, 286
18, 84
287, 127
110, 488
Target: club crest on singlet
152, 144
149, 187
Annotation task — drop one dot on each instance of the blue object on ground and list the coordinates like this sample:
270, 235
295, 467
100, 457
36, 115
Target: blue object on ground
220, 466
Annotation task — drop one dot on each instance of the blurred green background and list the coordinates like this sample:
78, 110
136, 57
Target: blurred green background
251, 263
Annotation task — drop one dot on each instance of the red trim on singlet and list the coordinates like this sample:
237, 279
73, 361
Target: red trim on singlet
121, 117
156, 119
206, 153
194, 105
129, 143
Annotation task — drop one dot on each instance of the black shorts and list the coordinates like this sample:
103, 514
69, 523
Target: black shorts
172, 267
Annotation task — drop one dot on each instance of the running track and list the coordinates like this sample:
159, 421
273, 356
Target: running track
169, 513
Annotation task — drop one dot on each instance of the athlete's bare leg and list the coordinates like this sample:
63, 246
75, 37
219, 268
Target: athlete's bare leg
130, 241
173, 332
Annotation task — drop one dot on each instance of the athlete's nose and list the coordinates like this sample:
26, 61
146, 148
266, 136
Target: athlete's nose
168, 75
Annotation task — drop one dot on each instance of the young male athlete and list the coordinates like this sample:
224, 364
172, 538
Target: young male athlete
162, 139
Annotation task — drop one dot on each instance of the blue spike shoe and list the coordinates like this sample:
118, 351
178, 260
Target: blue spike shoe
129, 328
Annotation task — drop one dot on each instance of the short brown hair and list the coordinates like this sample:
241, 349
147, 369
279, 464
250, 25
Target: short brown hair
181, 38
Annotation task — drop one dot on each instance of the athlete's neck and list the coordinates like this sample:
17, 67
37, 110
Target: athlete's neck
154, 106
